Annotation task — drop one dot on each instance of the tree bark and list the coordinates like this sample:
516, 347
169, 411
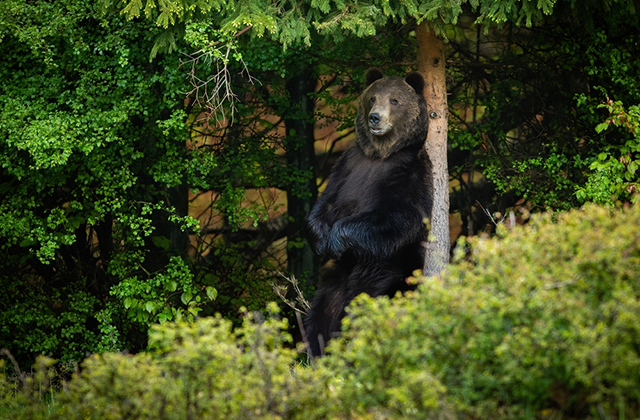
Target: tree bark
431, 63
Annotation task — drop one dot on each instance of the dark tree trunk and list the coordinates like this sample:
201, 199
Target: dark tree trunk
179, 199
299, 124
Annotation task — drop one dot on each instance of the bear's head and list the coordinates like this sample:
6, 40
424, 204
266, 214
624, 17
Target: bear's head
392, 114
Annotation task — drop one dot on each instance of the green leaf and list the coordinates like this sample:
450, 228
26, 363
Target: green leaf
27, 242
161, 242
212, 293
186, 297
601, 127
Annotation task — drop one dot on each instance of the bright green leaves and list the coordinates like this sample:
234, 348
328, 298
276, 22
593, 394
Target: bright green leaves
169, 15
96, 165
35, 23
290, 23
165, 296
292, 28
186, 297
67, 132
212, 293
169, 12
91, 140
614, 173
519, 12
51, 139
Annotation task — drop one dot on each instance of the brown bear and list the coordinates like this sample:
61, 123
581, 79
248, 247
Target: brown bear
370, 218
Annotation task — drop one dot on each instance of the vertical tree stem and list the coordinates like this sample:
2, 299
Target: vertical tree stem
299, 124
431, 63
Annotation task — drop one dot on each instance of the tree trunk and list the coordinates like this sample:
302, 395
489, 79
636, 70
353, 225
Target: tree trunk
299, 124
431, 63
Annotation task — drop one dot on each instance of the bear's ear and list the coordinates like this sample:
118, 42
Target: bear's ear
416, 81
372, 75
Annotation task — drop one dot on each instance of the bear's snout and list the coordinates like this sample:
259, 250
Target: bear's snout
379, 123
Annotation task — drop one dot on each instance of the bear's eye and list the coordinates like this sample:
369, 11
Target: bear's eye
372, 99
394, 102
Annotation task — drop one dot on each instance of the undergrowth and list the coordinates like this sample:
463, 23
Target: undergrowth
540, 322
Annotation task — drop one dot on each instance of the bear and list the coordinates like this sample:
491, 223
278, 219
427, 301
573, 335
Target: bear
370, 219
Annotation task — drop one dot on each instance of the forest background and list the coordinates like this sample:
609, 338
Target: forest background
159, 159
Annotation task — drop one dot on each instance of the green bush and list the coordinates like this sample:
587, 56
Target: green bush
545, 319
201, 370
27, 396
539, 322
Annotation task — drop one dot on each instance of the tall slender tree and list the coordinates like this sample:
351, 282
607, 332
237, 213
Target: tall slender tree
431, 62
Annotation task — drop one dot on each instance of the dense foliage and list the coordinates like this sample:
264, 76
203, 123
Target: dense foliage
108, 158
529, 109
88, 128
99, 149
539, 322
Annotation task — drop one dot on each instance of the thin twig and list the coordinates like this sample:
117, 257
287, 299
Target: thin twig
212, 94
300, 300
307, 345
488, 213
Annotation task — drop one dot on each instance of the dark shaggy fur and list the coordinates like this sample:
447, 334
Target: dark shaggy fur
370, 218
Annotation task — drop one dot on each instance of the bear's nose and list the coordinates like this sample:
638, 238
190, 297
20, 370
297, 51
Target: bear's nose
374, 118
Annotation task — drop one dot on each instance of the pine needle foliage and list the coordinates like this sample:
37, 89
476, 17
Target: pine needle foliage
291, 22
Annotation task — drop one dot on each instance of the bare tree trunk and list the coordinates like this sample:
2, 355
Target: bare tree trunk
431, 63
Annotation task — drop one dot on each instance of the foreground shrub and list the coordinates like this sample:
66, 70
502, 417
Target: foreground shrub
381, 363
201, 370
543, 322
27, 396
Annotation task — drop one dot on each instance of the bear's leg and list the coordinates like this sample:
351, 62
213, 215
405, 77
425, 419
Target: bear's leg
323, 319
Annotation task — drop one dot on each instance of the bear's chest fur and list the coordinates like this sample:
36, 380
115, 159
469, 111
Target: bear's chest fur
367, 183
